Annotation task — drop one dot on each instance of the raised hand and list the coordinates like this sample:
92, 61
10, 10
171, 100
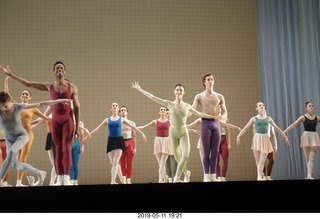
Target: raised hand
6, 70
135, 85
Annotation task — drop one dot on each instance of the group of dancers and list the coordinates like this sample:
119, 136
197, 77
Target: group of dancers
172, 132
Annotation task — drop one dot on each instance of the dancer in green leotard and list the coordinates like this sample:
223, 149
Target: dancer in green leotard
178, 131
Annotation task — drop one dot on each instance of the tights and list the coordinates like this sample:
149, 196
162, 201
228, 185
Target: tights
267, 170
224, 152
13, 148
74, 171
114, 157
3, 155
309, 153
161, 158
171, 172
62, 129
210, 136
126, 158
260, 158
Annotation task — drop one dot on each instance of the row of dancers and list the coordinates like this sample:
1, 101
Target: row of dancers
208, 105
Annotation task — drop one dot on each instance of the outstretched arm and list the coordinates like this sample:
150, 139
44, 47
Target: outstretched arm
41, 115
195, 131
202, 115
125, 121
48, 103
152, 123
136, 85
33, 84
248, 125
299, 120
194, 123
229, 125
94, 131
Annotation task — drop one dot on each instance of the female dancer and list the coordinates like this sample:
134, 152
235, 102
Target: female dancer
178, 131
310, 140
261, 144
49, 145
77, 149
26, 116
16, 136
63, 127
115, 145
268, 169
162, 146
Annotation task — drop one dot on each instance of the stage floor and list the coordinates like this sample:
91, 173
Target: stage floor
211, 197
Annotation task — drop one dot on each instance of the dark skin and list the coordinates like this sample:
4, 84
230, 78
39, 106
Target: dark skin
60, 85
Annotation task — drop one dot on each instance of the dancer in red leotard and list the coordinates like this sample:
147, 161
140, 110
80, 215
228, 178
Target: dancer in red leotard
62, 124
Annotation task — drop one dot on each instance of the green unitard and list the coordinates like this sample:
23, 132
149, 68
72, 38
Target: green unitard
179, 135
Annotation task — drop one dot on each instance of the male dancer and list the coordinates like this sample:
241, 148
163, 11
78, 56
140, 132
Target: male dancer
208, 102
62, 123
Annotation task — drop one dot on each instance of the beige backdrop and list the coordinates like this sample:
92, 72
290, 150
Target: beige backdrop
106, 45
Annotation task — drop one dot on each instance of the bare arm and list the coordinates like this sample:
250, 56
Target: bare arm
194, 123
228, 135
94, 131
41, 115
224, 112
84, 129
76, 107
125, 121
6, 87
25, 82
248, 125
152, 123
134, 139
35, 123
47, 103
194, 104
229, 125
299, 120
195, 131
274, 139
81, 137
201, 115
279, 130
136, 85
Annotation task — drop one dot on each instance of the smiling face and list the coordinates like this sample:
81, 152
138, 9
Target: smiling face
25, 96
179, 91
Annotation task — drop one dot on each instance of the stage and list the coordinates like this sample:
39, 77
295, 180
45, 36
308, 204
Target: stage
211, 197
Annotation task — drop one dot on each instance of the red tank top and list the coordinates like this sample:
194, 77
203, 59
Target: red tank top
163, 128
60, 112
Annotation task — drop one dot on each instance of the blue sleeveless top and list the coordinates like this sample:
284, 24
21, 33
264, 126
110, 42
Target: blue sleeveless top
115, 127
